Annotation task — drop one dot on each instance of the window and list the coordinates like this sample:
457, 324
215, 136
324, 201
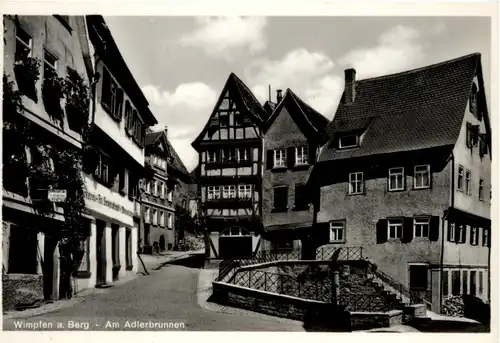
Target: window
446, 289
301, 155
301, 198
223, 120
243, 154
451, 232
461, 233
102, 170
170, 224
213, 192
419, 274
473, 99
128, 116
228, 155
460, 179
455, 282
481, 189
23, 44
349, 141
228, 192
155, 217
108, 93
467, 182
395, 228
282, 245
169, 195
486, 237
211, 156
162, 218
146, 214
23, 250
118, 104
49, 64
280, 158
238, 120
422, 177
245, 191
337, 232
421, 227
356, 183
148, 187
280, 198
472, 283
480, 282
473, 235
396, 179
465, 283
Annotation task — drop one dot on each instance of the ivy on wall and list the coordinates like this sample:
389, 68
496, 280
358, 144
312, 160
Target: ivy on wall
51, 166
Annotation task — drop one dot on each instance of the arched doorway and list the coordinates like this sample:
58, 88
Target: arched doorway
235, 242
162, 243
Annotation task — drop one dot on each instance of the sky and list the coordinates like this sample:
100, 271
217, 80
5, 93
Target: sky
182, 63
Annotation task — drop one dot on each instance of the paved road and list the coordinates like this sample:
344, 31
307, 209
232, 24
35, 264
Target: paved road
167, 297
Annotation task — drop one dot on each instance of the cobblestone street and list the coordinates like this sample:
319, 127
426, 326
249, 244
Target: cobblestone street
168, 295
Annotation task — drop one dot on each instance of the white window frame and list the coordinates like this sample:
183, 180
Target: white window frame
211, 156
468, 186
395, 223
462, 233
213, 192
355, 181
279, 158
400, 173
53, 66
452, 237
155, 216
162, 218
460, 178
422, 173
474, 235
244, 191
147, 215
246, 154
229, 192
28, 45
301, 156
348, 146
421, 222
337, 229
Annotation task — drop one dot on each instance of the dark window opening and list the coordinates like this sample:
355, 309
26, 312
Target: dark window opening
280, 198
445, 283
418, 277
348, 141
455, 282
283, 245
301, 199
23, 250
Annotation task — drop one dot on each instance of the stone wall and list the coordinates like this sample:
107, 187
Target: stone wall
21, 290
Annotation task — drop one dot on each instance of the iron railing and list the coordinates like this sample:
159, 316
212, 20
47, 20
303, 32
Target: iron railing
346, 253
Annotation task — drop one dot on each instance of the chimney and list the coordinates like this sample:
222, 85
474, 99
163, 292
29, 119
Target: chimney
278, 96
350, 85
166, 130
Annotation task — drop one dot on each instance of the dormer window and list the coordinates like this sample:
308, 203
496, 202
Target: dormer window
473, 99
348, 141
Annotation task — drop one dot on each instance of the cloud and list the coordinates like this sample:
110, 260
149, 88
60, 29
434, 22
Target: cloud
184, 111
398, 48
308, 74
227, 37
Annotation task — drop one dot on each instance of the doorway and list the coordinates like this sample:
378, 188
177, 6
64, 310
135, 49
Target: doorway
48, 267
418, 279
162, 243
100, 252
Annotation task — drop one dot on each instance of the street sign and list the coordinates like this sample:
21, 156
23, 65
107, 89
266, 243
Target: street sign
57, 195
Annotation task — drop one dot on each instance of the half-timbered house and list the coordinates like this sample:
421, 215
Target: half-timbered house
230, 172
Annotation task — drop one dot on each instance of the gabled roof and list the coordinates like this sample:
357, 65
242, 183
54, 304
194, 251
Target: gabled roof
175, 161
241, 94
412, 110
307, 119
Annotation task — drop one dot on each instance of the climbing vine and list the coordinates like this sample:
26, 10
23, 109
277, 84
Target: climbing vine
51, 166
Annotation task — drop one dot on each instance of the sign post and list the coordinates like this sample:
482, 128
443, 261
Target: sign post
57, 195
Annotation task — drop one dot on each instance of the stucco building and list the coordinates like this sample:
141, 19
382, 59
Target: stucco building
406, 176
293, 135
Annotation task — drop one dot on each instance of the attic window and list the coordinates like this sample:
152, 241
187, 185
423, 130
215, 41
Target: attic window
348, 141
473, 100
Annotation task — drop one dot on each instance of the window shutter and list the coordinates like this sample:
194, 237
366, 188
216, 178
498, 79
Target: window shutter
457, 233
472, 236
290, 156
382, 231
434, 229
312, 153
270, 159
449, 231
407, 235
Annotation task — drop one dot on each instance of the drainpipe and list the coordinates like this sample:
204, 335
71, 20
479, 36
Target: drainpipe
452, 205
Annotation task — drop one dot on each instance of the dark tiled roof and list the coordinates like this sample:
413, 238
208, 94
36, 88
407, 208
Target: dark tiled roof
239, 92
153, 137
308, 119
417, 109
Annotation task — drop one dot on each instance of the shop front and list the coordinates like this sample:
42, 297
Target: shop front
111, 248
